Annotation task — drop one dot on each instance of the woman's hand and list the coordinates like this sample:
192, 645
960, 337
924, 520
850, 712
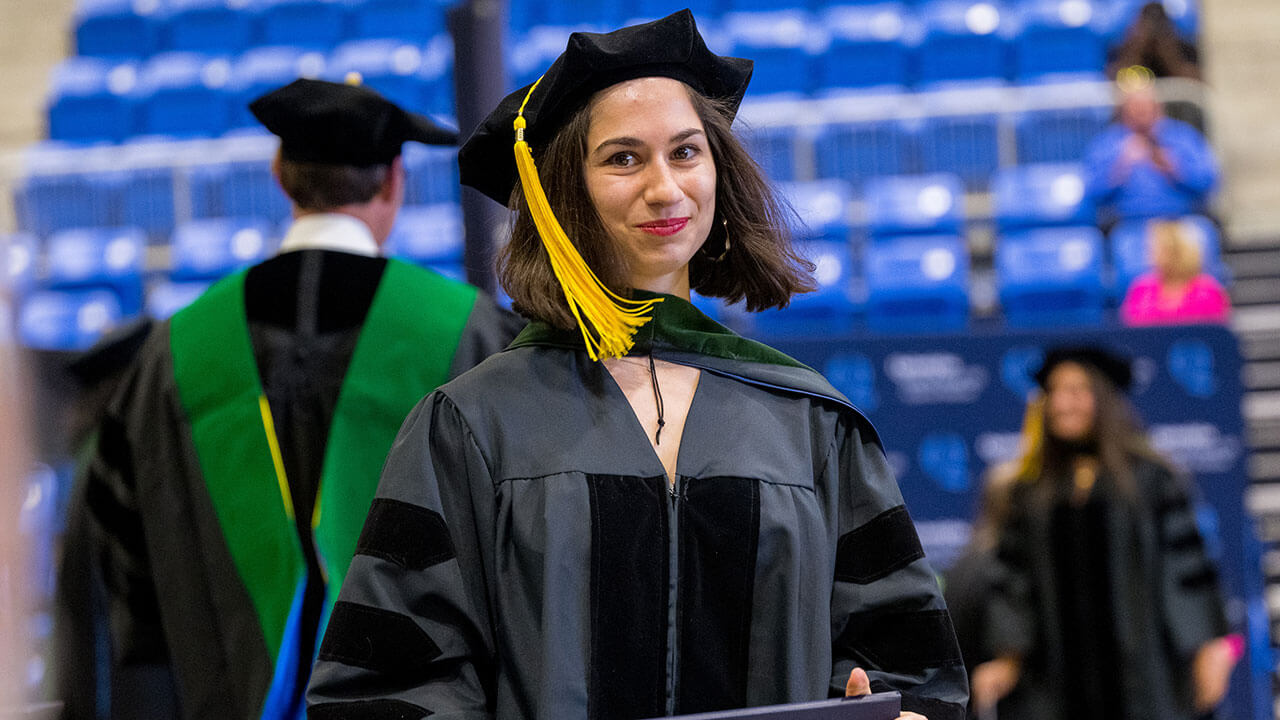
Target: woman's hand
993, 680
860, 684
1211, 671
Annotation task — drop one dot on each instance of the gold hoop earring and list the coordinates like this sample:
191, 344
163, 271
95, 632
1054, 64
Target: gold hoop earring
724, 222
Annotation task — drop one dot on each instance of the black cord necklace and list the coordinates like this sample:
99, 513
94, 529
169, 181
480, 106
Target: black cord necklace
657, 398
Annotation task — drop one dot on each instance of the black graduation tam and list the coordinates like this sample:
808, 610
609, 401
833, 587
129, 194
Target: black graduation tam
340, 124
670, 47
1112, 366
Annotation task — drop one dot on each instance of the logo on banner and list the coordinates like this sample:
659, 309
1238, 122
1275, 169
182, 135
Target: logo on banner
994, 448
944, 458
935, 378
1191, 365
1197, 447
855, 376
1016, 368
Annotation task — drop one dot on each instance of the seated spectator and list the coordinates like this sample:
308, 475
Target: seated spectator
1147, 165
1153, 42
1176, 290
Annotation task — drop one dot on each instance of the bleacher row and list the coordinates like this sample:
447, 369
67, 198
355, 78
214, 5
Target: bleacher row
187, 68
895, 258
877, 118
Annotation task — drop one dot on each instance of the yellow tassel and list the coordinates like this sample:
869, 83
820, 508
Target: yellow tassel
1030, 464
608, 322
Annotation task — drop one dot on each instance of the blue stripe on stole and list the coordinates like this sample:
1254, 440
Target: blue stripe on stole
279, 703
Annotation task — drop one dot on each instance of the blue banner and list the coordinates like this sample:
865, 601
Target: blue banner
948, 407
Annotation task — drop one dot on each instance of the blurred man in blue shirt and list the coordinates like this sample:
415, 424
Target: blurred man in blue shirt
1147, 165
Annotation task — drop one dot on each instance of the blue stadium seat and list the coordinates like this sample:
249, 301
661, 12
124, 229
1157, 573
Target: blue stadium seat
914, 204
262, 69
55, 194
1038, 195
1130, 256
917, 283
822, 208
184, 95
116, 28
90, 100
145, 193
428, 235
168, 297
237, 189
40, 521
534, 51
1051, 276
767, 130
431, 174
209, 26
1058, 36
961, 132
1058, 135
310, 23
778, 43
832, 308
67, 319
963, 40
413, 20
18, 263
205, 250
859, 150
413, 75
99, 258
868, 47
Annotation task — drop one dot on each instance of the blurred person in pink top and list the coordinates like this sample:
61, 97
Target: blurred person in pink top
1176, 290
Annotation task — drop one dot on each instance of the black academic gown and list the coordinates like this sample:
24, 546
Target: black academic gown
1161, 599
180, 617
525, 556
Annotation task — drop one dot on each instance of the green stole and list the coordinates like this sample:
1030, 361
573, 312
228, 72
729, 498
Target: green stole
405, 350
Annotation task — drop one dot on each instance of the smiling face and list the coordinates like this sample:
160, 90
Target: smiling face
650, 175
1071, 406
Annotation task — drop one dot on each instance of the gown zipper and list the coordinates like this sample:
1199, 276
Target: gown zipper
675, 490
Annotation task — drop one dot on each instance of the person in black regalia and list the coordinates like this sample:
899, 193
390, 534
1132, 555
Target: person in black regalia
633, 512
1107, 606
235, 466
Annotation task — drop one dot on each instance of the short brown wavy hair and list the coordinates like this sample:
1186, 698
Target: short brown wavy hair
761, 266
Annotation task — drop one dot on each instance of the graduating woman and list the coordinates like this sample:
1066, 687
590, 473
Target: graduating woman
633, 512
1108, 607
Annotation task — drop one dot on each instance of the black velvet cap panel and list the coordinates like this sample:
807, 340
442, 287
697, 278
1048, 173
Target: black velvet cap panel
1112, 366
670, 47
340, 124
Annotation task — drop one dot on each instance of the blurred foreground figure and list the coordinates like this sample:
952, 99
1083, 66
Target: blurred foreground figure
237, 463
1106, 604
14, 583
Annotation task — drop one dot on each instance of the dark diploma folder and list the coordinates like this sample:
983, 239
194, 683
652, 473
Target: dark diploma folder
877, 706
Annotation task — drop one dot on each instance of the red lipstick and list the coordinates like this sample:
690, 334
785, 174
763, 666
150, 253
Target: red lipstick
668, 226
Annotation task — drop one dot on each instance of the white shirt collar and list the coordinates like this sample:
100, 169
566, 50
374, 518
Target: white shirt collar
330, 231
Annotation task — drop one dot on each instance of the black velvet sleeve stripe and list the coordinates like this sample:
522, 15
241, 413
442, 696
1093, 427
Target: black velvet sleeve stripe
901, 642
886, 543
1188, 540
1174, 503
377, 639
367, 710
932, 708
1199, 579
411, 536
